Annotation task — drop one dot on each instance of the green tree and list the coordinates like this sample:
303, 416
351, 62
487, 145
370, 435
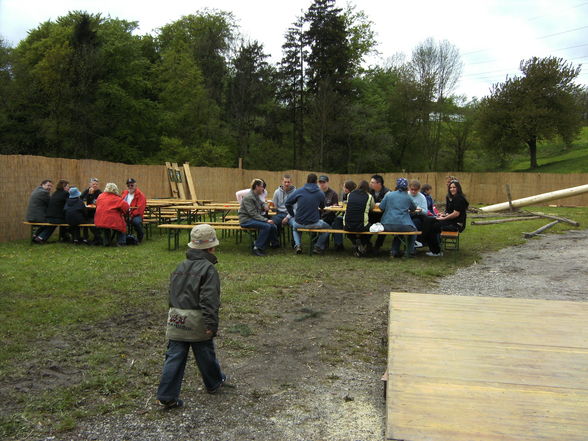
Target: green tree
435, 68
370, 146
460, 121
189, 116
251, 94
80, 90
291, 90
6, 88
337, 42
208, 36
541, 104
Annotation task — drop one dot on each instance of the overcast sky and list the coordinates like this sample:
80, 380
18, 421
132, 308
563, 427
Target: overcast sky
491, 35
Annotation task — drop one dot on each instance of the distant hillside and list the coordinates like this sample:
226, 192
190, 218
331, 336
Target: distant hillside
554, 158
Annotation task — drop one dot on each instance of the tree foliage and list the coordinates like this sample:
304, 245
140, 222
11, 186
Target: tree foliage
540, 104
85, 86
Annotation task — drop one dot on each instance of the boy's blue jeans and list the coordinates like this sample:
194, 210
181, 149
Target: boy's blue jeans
175, 364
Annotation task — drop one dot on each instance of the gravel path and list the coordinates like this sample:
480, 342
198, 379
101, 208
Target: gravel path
550, 267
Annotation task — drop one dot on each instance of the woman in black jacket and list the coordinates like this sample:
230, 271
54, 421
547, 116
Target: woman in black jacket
55, 214
356, 217
453, 219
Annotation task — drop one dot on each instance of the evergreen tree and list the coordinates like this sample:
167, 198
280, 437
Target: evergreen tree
292, 85
251, 94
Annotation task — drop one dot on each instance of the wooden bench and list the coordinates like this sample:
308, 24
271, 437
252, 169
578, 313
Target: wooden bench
47, 224
450, 240
174, 231
146, 223
402, 235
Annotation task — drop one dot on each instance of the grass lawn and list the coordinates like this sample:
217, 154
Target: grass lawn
553, 157
82, 328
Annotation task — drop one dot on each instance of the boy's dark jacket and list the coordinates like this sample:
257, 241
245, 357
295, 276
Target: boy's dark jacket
194, 298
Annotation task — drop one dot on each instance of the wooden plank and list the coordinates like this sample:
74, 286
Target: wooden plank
171, 178
180, 179
190, 181
477, 368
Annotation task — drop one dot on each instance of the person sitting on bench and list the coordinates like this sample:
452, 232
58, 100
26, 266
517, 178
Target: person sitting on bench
396, 207
454, 218
55, 213
356, 218
37, 210
110, 214
137, 203
308, 200
251, 213
348, 187
75, 214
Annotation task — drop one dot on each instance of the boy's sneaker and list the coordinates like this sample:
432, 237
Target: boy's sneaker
431, 254
417, 244
298, 249
173, 404
223, 384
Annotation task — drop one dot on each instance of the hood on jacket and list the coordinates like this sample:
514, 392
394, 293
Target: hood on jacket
194, 254
312, 188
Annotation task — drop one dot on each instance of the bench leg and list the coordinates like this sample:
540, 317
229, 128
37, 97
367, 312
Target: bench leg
169, 234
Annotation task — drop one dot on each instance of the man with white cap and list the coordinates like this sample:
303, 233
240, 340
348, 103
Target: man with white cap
194, 300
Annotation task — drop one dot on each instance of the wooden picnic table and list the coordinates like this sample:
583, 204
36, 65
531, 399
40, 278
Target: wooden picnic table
342, 208
167, 202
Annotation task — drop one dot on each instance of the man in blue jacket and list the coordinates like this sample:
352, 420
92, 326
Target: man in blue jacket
308, 200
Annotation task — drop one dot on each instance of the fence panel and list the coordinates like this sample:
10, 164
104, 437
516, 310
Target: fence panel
20, 174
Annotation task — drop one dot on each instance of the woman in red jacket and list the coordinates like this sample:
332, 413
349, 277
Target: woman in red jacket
110, 213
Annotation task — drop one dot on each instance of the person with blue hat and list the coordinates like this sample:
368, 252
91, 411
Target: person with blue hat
396, 207
75, 213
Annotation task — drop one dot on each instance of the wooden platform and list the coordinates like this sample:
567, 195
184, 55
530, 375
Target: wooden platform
480, 368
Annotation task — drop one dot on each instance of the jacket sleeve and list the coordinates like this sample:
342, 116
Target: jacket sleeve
141, 204
290, 203
210, 299
276, 197
382, 203
124, 206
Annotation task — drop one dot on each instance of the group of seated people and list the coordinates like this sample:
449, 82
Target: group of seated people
408, 208
109, 210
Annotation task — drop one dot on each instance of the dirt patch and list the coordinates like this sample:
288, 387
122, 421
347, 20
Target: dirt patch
58, 361
307, 365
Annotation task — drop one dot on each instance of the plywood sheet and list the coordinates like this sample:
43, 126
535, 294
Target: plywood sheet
478, 368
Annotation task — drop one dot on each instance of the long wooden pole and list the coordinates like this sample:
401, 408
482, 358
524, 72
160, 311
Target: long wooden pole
558, 194
501, 221
559, 218
540, 230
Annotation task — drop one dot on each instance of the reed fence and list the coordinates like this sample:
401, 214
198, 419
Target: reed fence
20, 174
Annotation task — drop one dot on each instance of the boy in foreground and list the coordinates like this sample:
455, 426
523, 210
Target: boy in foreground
194, 300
